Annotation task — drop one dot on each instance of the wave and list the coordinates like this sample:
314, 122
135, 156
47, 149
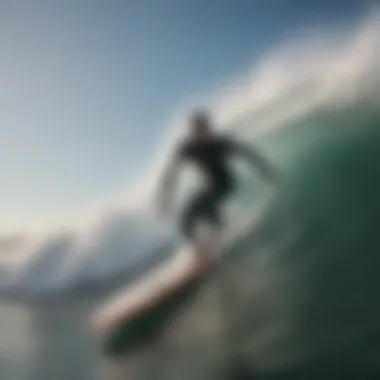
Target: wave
293, 88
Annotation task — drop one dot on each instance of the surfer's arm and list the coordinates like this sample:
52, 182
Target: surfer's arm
266, 169
167, 184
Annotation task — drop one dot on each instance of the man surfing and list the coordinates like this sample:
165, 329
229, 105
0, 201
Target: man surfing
146, 306
210, 153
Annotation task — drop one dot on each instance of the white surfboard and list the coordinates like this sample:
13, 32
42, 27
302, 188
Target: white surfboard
148, 291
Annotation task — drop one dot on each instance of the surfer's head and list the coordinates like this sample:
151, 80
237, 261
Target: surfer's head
200, 124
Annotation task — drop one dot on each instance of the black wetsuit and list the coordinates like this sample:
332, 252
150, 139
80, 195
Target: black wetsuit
211, 157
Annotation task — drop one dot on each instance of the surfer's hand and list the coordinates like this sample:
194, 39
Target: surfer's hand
164, 213
163, 210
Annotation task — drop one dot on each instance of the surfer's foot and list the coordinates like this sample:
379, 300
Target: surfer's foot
212, 244
206, 250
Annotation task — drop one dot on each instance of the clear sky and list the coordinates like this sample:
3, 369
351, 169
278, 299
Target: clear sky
86, 86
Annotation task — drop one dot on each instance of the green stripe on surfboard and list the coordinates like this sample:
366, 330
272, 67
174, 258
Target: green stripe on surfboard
146, 326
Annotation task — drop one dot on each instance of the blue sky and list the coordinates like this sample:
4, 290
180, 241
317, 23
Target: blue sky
87, 86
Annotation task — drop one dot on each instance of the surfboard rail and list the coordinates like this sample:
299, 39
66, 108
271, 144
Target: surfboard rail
148, 291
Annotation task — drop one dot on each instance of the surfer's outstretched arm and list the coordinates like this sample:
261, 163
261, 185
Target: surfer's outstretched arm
167, 184
266, 169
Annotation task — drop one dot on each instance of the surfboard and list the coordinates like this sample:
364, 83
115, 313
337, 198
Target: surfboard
146, 292
136, 313
146, 327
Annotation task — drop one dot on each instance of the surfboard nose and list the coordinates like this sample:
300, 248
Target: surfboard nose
96, 323
99, 324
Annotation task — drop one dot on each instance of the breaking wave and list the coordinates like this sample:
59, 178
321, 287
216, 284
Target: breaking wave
307, 91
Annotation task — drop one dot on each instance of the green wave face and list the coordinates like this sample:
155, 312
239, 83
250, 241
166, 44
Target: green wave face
300, 290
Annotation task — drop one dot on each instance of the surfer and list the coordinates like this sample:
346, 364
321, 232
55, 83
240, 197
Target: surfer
209, 151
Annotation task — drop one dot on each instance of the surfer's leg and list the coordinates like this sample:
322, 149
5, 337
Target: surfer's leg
198, 208
209, 208
212, 213
191, 215
213, 204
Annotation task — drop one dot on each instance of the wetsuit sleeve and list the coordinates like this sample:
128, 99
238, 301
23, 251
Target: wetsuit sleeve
182, 152
237, 147
231, 146
254, 156
169, 177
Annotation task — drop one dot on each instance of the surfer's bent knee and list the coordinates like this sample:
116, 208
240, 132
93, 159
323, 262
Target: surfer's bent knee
205, 205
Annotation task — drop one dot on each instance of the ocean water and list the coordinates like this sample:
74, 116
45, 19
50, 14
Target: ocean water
297, 296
